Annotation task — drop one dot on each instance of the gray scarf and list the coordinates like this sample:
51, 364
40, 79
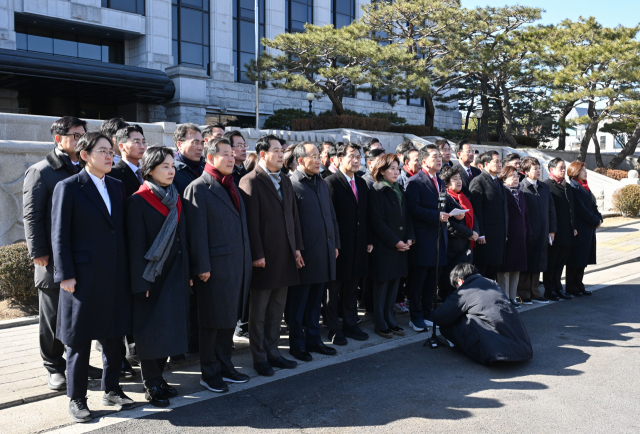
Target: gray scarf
161, 246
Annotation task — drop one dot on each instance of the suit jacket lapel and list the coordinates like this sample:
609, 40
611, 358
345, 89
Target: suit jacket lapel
90, 189
128, 172
220, 191
264, 177
463, 169
427, 180
345, 184
495, 185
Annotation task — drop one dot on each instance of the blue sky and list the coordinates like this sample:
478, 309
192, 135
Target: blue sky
609, 13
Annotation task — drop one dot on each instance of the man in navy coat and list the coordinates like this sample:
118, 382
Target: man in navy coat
90, 263
422, 194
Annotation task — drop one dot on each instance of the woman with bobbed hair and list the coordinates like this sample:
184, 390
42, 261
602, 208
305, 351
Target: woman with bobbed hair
587, 220
159, 265
392, 235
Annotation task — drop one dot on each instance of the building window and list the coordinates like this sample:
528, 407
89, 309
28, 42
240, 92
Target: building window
39, 40
415, 101
343, 12
297, 14
244, 44
190, 33
603, 142
133, 6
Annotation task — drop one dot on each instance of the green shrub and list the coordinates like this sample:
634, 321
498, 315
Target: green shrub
416, 130
392, 117
281, 119
16, 272
627, 200
527, 141
334, 122
348, 112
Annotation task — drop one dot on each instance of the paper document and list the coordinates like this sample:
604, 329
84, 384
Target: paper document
457, 211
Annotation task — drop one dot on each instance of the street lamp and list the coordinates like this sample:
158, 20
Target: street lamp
478, 113
310, 98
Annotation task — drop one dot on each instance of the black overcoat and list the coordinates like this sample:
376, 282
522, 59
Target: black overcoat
160, 320
587, 218
390, 223
184, 175
483, 322
238, 173
274, 229
542, 218
89, 245
422, 204
465, 177
319, 226
519, 232
39, 182
218, 240
353, 260
565, 214
489, 201
458, 249
123, 173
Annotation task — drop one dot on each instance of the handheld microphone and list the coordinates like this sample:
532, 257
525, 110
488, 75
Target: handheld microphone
442, 199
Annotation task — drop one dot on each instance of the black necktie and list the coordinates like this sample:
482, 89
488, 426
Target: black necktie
470, 175
139, 176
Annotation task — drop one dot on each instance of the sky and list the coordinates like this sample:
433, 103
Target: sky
609, 13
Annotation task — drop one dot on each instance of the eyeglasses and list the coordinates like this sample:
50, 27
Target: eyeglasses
354, 157
105, 152
76, 136
196, 142
138, 143
314, 157
243, 146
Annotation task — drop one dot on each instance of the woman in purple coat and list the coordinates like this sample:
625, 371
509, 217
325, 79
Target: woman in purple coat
518, 231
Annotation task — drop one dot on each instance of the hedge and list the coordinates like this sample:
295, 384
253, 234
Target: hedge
416, 130
16, 272
627, 200
612, 173
334, 122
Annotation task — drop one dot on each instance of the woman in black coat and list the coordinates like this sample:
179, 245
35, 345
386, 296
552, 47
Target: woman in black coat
587, 220
392, 235
159, 263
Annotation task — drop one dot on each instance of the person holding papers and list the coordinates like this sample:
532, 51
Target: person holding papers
462, 227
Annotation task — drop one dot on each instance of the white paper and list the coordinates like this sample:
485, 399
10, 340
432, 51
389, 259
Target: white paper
457, 211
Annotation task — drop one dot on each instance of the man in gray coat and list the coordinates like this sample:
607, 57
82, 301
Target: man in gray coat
220, 258
39, 182
320, 233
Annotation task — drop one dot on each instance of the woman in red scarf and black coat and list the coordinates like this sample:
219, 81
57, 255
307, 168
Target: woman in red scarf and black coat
159, 261
463, 232
587, 220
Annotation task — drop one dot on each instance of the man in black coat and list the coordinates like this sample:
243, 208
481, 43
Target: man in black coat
564, 238
370, 159
467, 171
90, 255
489, 201
39, 182
349, 195
132, 145
239, 148
410, 166
320, 234
479, 320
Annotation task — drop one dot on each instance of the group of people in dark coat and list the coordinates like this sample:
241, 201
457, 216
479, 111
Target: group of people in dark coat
166, 252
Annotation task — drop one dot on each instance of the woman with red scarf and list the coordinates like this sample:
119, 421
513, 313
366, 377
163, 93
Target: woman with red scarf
587, 220
463, 229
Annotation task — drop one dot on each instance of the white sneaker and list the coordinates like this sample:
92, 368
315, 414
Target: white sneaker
430, 324
418, 329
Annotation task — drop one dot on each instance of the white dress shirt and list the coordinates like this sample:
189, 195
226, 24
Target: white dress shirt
351, 179
102, 189
133, 167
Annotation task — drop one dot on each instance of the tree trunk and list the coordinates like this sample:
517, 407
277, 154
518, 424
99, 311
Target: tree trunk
429, 112
599, 162
508, 120
336, 100
628, 149
562, 125
466, 120
590, 131
483, 132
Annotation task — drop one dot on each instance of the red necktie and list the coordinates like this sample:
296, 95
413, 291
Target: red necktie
435, 183
353, 187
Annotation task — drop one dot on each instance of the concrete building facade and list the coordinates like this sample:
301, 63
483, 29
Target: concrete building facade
160, 60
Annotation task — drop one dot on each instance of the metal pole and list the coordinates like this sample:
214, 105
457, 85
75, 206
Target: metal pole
257, 31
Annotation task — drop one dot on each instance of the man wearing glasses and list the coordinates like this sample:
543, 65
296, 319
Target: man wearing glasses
132, 144
239, 149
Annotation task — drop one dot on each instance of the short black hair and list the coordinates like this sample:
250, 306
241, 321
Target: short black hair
332, 151
183, 129
461, 144
123, 134
264, 143
373, 154
528, 162
553, 163
366, 146
462, 272
87, 143
152, 158
405, 146
440, 143
211, 147
208, 130
406, 156
486, 157
64, 124
342, 150
229, 135
448, 172
510, 157
111, 126
426, 151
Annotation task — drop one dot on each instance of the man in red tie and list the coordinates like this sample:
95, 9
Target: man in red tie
465, 159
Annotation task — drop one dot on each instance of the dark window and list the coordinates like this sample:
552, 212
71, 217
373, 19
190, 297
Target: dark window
133, 6
297, 14
190, 33
40, 40
244, 35
415, 101
343, 12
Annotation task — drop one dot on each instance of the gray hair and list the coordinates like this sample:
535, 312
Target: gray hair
299, 151
183, 129
211, 147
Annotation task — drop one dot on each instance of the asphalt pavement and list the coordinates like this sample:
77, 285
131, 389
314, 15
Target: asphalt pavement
583, 378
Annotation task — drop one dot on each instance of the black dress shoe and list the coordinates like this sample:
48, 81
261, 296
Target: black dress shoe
79, 411
94, 373
117, 398
282, 363
354, 332
585, 292
215, 384
169, 391
301, 354
574, 294
321, 348
551, 297
127, 370
337, 338
236, 377
156, 397
264, 369
564, 296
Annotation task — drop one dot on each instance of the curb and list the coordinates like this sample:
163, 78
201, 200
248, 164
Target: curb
607, 228
17, 322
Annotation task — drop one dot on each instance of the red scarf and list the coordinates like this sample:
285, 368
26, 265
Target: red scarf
584, 184
466, 204
146, 193
410, 173
557, 179
227, 182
